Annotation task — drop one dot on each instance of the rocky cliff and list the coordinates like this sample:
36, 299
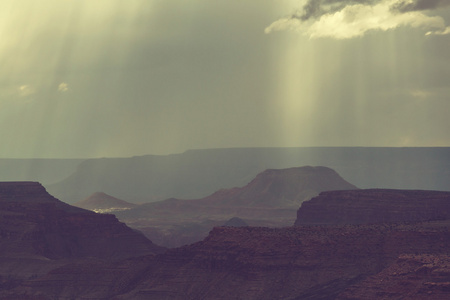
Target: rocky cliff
387, 260
374, 206
411, 276
39, 232
253, 263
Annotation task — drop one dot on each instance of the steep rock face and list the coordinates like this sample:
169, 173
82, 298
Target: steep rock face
37, 231
412, 276
24, 192
288, 263
374, 206
301, 262
308, 262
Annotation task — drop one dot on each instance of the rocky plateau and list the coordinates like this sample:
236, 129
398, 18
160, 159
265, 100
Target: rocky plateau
271, 199
383, 258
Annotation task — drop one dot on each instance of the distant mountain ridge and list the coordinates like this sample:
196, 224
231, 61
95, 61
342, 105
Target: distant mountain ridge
45, 171
282, 188
272, 198
197, 173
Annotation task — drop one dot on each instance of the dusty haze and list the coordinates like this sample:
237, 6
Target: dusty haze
112, 78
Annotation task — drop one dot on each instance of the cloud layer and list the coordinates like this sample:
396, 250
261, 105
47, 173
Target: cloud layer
114, 75
344, 19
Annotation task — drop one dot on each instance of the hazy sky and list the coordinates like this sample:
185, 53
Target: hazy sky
85, 78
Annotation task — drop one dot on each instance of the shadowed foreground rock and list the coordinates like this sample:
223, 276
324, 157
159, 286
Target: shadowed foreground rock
38, 233
301, 262
412, 276
251, 263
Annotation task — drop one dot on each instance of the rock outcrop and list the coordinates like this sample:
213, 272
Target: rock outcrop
374, 206
308, 262
39, 232
384, 260
412, 276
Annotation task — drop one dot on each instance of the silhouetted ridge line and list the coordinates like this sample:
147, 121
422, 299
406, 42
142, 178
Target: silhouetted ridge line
374, 206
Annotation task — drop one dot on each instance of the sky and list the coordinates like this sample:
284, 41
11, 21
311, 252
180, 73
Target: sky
115, 78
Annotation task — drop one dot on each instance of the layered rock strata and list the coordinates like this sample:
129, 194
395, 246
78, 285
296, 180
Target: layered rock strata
307, 262
374, 206
388, 260
412, 276
38, 232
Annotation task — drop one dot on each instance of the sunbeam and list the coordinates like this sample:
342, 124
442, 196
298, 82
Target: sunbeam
115, 78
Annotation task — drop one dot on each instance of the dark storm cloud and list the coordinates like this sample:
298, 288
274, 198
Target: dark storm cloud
316, 8
418, 5
344, 19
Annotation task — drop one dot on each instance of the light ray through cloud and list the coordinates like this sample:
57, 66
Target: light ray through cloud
344, 19
83, 78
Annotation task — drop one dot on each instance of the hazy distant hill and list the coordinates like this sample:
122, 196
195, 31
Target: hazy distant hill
271, 189
281, 188
45, 171
198, 173
271, 199
103, 203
